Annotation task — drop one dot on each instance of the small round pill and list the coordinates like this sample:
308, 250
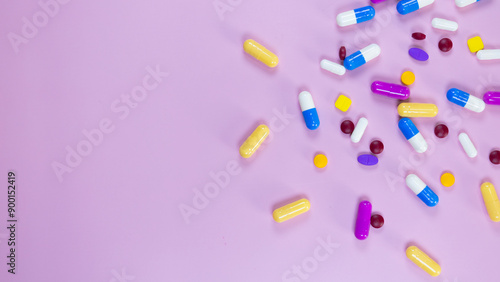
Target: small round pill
407, 78
347, 126
418, 36
376, 147
441, 130
320, 161
377, 221
445, 44
495, 157
447, 179
342, 53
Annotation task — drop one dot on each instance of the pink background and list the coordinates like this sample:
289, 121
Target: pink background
116, 216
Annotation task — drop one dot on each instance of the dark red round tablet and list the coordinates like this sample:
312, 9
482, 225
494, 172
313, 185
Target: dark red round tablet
441, 130
445, 44
495, 157
377, 221
342, 53
376, 147
347, 126
418, 36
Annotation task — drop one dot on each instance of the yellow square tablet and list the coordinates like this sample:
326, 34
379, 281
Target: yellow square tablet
343, 103
475, 44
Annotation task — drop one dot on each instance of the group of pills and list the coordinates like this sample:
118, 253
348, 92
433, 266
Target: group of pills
365, 218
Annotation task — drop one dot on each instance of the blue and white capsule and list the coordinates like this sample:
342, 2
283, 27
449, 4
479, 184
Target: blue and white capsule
463, 3
308, 110
412, 134
362, 56
356, 16
422, 190
464, 99
407, 6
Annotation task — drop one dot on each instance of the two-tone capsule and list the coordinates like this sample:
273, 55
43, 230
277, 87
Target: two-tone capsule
363, 220
291, 210
356, 16
362, 56
422, 190
308, 110
260, 53
423, 261
412, 134
467, 145
492, 98
390, 90
464, 99
491, 201
407, 6
253, 142
417, 110
463, 3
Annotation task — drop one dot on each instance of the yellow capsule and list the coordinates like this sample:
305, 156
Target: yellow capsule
417, 110
254, 141
423, 261
260, 53
491, 201
291, 210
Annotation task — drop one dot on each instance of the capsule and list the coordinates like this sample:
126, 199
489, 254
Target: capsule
362, 56
423, 261
488, 54
491, 201
444, 24
254, 141
363, 220
412, 134
291, 210
260, 53
467, 144
407, 6
492, 98
356, 16
417, 110
463, 3
332, 67
359, 130
422, 190
464, 99
390, 90
308, 110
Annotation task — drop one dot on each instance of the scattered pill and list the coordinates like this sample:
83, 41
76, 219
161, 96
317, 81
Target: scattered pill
359, 130
253, 142
355, 16
422, 191
362, 56
367, 160
418, 36
447, 179
418, 54
343, 103
260, 53
390, 90
423, 261
464, 99
495, 157
441, 131
491, 201
363, 220
463, 3
342, 53
412, 134
445, 45
332, 67
407, 6
377, 1
308, 110
467, 144
347, 126
475, 44
408, 78
320, 161
377, 221
376, 147
291, 210
490, 54
492, 98
417, 110
444, 24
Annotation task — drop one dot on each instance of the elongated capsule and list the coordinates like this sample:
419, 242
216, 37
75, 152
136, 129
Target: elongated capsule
417, 110
359, 130
444, 24
464, 99
488, 54
330, 66
491, 201
463, 3
260, 53
422, 190
356, 16
412, 134
308, 110
254, 141
291, 210
390, 90
423, 261
362, 56
467, 144
407, 6
363, 220
492, 98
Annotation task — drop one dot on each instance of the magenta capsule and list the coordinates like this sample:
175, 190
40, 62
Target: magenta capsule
363, 220
391, 90
492, 98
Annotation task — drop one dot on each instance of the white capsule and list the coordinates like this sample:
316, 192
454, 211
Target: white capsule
488, 54
333, 67
444, 24
463, 3
359, 130
467, 144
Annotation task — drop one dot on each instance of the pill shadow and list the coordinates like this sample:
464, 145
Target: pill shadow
253, 61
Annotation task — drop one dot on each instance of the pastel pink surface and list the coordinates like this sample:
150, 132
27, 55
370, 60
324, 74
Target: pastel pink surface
116, 214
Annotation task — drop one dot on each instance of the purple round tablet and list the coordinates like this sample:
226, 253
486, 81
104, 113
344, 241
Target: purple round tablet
367, 160
390, 90
418, 54
492, 98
